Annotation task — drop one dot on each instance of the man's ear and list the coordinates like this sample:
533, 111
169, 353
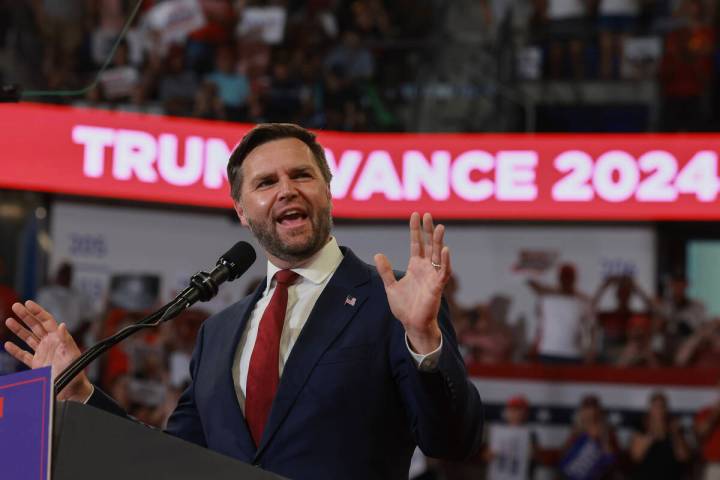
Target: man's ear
240, 213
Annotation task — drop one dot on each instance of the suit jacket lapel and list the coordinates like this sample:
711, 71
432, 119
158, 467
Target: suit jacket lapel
328, 318
241, 316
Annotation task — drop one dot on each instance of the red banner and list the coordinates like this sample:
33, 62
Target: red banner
454, 176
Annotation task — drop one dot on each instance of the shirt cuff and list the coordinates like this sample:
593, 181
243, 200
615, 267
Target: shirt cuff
92, 392
427, 362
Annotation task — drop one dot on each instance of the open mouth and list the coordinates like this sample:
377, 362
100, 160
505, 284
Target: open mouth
292, 218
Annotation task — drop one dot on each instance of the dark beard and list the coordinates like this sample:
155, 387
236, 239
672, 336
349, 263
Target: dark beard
269, 239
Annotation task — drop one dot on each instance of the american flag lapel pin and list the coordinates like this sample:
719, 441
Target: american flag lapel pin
350, 300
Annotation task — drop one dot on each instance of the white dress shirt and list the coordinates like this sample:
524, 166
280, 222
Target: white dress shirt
314, 275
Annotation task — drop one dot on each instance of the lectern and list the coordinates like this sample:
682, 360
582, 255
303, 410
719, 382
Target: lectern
89, 443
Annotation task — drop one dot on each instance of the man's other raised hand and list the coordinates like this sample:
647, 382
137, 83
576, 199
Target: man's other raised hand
415, 298
51, 345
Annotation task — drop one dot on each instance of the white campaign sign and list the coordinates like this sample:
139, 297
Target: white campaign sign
175, 19
510, 447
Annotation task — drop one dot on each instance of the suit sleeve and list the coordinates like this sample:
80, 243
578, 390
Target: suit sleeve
444, 407
103, 401
184, 422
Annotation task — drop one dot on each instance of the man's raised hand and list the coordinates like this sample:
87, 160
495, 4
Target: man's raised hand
51, 345
415, 298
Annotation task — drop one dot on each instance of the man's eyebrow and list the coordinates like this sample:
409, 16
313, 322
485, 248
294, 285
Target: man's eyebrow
262, 176
301, 169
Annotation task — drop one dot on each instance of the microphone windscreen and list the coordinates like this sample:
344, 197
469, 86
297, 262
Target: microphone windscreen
238, 259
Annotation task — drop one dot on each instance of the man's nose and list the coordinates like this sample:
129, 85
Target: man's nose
286, 188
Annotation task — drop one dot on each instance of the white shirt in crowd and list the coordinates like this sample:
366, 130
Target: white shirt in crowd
302, 295
565, 9
620, 8
67, 305
564, 320
179, 366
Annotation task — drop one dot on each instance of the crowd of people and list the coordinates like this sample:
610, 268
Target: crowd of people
588, 38
346, 64
573, 329
671, 330
659, 445
322, 64
339, 65
147, 372
670, 41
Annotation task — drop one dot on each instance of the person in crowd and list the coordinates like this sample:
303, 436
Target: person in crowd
106, 19
311, 91
658, 449
614, 323
120, 82
341, 101
217, 32
149, 381
702, 348
639, 350
617, 19
61, 32
707, 432
513, 447
208, 104
487, 340
686, 69
592, 451
167, 87
352, 57
233, 86
369, 18
282, 100
178, 342
66, 303
462, 317
117, 362
565, 27
176, 86
565, 324
368, 366
680, 314
254, 59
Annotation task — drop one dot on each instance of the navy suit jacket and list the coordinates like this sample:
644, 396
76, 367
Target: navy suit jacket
351, 402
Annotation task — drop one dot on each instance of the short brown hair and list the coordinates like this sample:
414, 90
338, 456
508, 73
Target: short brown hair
267, 132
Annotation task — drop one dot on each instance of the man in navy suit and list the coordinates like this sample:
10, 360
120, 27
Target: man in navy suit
331, 368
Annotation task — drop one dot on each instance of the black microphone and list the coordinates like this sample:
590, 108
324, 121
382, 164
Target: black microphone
203, 287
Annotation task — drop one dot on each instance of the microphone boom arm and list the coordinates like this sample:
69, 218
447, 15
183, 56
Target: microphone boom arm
203, 286
167, 312
201, 282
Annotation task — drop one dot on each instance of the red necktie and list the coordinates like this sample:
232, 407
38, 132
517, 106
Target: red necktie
263, 373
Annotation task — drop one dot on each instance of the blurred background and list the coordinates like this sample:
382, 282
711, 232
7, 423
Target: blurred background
590, 329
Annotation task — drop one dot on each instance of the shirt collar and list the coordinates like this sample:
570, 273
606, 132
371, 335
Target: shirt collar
317, 268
